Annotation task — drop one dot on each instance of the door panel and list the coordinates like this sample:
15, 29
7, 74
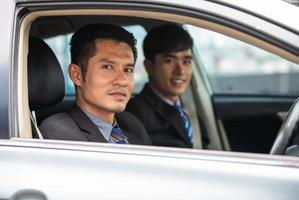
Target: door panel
250, 122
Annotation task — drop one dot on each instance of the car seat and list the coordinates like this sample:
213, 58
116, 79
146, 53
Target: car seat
45, 79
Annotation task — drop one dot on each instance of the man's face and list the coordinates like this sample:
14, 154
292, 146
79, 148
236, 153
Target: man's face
170, 73
109, 81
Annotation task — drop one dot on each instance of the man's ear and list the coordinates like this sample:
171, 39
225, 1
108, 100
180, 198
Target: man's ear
75, 74
148, 64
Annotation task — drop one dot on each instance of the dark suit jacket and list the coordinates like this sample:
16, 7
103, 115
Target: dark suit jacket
162, 121
75, 125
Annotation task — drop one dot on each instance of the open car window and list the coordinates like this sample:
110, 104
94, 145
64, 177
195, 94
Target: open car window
224, 65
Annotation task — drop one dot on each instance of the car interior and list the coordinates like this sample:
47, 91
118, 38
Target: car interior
48, 87
40, 29
49, 79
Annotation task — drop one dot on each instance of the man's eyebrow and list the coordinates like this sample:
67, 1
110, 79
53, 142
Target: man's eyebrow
174, 56
131, 65
107, 60
169, 56
189, 57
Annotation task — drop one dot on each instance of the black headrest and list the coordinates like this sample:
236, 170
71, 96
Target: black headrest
45, 77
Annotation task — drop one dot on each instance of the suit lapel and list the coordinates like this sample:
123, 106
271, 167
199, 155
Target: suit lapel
85, 124
166, 111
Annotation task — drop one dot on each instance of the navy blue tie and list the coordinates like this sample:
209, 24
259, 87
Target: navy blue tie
185, 121
118, 135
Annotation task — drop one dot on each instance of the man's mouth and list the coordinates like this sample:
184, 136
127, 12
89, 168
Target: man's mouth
177, 81
120, 96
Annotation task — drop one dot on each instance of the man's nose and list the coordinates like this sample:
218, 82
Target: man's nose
179, 67
121, 78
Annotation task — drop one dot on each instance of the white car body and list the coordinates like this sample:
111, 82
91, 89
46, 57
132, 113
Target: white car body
49, 169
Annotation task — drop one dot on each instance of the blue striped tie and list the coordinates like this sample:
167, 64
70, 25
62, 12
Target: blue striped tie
185, 121
118, 135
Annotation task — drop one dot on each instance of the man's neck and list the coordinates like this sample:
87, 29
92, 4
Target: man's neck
106, 116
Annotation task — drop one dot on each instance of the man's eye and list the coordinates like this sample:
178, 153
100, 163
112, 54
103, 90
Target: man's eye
169, 61
107, 67
188, 61
129, 70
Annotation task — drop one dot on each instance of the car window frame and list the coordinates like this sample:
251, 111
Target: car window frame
23, 122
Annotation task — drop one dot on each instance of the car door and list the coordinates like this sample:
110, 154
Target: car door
245, 119
251, 89
84, 170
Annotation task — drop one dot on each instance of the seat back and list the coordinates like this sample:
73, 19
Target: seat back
45, 76
45, 80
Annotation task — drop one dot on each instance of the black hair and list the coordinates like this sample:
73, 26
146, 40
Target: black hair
165, 39
83, 44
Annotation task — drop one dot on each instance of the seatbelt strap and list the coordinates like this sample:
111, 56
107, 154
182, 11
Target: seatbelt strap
33, 120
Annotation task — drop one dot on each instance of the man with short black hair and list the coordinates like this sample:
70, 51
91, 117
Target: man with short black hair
102, 66
168, 62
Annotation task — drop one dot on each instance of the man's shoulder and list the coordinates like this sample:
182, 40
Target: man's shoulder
144, 98
57, 121
125, 116
58, 117
137, 105
140, 96
135, 101
60, 126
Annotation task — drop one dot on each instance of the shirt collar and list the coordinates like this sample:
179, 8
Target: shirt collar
163, 98
104, 127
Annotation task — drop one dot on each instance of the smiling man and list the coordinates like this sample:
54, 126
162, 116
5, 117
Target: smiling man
168, 62
102, 68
